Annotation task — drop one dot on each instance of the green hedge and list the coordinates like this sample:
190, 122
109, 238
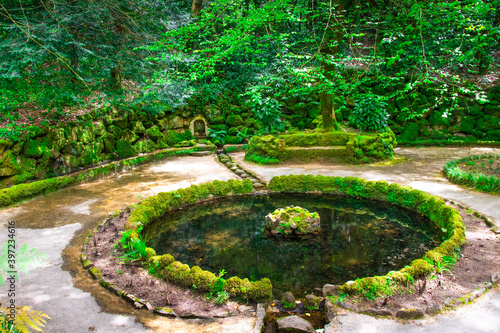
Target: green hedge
449, 143
476, 180
175, 271
428, 205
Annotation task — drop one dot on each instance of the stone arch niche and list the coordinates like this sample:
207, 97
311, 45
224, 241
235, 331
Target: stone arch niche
198, 126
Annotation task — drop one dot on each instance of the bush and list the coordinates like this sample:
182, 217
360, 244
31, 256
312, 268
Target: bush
369, 113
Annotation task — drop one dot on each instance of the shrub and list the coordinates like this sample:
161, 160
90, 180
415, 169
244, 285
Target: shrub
369, 113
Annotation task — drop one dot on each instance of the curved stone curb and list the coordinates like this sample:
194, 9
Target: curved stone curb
97, 275
448, 304
235, 168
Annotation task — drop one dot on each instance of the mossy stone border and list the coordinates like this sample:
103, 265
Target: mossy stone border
426, 204
177, 272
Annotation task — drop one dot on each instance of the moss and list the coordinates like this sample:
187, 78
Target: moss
179, 273
115, 131
9, 165
237, 287
418, 267
144, 146
20, 192
261, 290
234, 120
154, 133
203, 280
34, 148
149, 253
124, 149
129, 136
95, 272
410, 133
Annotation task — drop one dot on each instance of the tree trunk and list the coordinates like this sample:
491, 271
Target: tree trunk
332, 34
196, 7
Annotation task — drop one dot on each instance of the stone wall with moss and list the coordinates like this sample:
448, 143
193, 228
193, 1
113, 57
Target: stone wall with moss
448, 113
45, 152
326, 146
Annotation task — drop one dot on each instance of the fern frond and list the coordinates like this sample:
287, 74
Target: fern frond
27, 319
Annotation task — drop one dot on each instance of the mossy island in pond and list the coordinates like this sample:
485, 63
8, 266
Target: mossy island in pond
293, 220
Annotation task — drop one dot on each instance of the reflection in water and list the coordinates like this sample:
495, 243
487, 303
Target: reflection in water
358, 238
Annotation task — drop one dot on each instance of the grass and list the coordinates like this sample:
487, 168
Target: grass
473, 178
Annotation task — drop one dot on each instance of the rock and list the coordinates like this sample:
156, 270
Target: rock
138, 305
330, 312
259, 186
410, 313
495, 277
149, 306
311, 302
201, 153
329, 328
253, 180
452, 302
347, 305
489, 285
166, 312
294, 324
376, 312
434, 308
288, 301
272, 309
261, 313
175, 122
9, 165
330, 289
243, 175
283, 218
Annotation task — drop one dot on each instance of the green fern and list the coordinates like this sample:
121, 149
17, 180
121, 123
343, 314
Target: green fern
24, 260
24, 320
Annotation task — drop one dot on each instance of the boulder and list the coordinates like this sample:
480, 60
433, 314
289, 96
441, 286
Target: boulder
294, 324
293, 220
288, 301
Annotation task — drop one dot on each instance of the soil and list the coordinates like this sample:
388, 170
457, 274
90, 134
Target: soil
478, 261
135, 280
483, 166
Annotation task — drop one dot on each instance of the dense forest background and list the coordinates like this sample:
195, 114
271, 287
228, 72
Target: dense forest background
280, 59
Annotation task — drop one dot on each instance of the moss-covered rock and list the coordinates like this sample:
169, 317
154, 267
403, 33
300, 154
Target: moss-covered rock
154, 133
124, 149
34, 148
109, 143
129, 136
9, 165
234, 120
115, 131
410, 133
144, 146
294, 220
179, 273
203, 280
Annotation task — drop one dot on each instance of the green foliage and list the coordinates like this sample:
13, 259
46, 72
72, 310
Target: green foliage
473, 178
369, 113
217, 135
134, 248
14, 259
24, 321
267, 110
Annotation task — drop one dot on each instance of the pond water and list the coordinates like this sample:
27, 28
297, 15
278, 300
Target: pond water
358, 238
